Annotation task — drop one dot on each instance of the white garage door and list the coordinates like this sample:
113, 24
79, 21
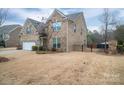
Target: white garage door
28, 45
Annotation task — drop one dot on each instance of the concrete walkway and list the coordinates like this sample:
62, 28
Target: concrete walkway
8, 50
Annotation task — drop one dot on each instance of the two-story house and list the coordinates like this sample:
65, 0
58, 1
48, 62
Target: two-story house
9, 35
29, 35
63, 32
66, 32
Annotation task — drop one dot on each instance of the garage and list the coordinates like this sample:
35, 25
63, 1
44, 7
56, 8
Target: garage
28, 45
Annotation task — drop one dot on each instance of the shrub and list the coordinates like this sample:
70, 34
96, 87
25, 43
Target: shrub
44, 49
34, 48
19, 47
2, 43
41, 52
120, 42
40, 48
120, 48
53, 49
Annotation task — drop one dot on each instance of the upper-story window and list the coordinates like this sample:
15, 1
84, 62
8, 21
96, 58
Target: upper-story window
56, 26
5, 36
28, 30
1, 37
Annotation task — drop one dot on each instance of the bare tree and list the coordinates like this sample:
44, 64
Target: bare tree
108, 22
3, 15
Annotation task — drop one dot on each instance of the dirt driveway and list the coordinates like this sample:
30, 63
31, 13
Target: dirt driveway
27, 67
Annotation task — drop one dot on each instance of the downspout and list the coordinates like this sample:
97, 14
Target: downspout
56, 42
67, 37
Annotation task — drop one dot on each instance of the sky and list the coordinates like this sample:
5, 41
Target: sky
92, 15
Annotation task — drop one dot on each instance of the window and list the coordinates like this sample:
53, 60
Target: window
7, 36
1, 36
56, 26
74, 27
28, 30
56, 42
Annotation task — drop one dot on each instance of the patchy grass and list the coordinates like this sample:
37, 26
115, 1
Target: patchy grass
62, 68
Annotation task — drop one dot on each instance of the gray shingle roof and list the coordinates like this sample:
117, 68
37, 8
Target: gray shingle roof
34, 22
41, 28
7, 28
74, 16
71, 17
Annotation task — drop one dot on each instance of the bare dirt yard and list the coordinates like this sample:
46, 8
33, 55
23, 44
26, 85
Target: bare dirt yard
27, 67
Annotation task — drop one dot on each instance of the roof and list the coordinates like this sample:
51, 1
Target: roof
71, 17
56, 10
74, 16
41, 28
34, 22
62, 14
8, 28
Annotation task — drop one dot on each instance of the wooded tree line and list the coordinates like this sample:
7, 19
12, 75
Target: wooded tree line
110, 30
95, 37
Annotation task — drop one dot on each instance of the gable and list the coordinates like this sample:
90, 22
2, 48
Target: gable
32, 24
56, 14
78, 18
8, 28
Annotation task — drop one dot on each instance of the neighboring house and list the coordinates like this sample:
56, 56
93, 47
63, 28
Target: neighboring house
66, 32
61, 32
9, 34
29, 34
